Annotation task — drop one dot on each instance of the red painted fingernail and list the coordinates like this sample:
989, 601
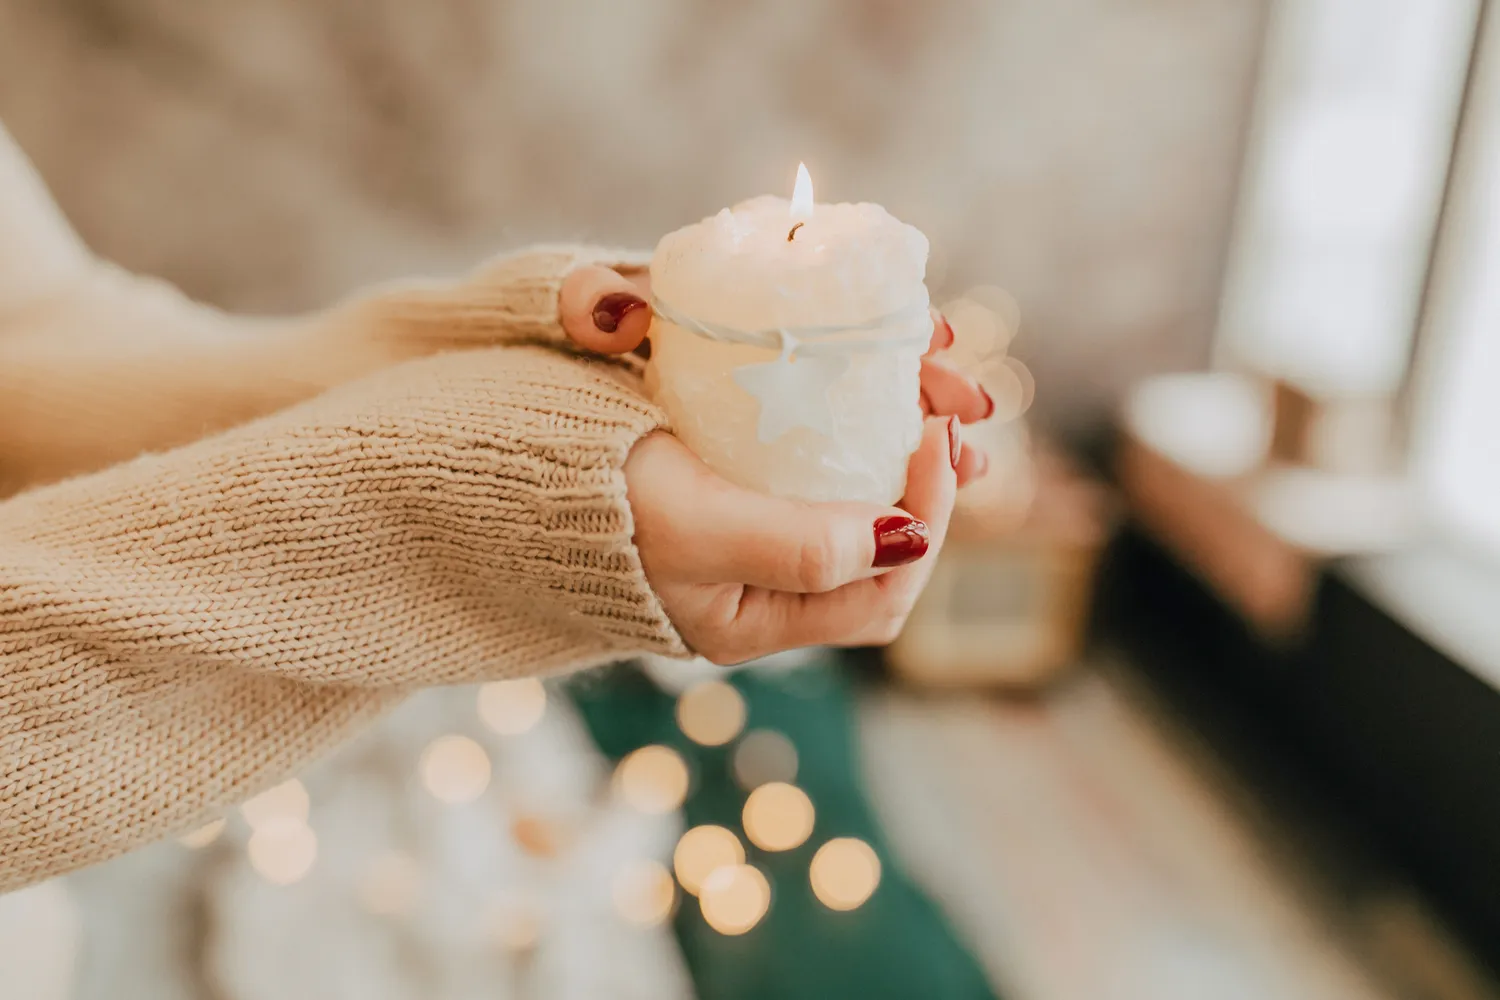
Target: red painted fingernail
955, 441
946, 340
989, 403
899, 540
610, 311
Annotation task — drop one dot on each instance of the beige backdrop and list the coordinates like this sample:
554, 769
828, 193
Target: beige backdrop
269, 155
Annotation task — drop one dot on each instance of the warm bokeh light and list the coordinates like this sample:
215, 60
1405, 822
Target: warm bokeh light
203, 836
702, 851
512, 707
282, 851
514, 925
643, 893
735, 898
390, 885
653, 779
844, 873
538, 836
764, 755
287, 801
778, 816
455, 769
711, 713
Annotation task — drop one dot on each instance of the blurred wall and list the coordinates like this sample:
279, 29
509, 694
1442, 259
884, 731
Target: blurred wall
270, 155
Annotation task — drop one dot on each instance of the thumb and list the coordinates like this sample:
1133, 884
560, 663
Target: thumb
603, 311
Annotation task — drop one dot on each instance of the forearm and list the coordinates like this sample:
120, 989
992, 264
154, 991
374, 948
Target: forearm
178, 631
120, 365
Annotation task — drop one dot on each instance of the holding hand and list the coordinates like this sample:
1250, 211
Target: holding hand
743, 575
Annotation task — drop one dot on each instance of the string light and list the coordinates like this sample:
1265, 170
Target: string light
283, 850
778, 816
764, 755
509, 708
844, 873
702, 851
390, 886
203, 836
735, 898
711, 713
644, 893
287, 801
455, 769
653, 779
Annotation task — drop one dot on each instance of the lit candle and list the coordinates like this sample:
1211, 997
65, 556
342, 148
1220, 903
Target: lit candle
787, 345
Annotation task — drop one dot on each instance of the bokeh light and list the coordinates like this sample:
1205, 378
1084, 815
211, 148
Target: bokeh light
287, 801
711, 713
735, 898
643, 893
283, 850
702, 851
455, 769
844, 873
778, 816
203, 836
513, 924
509, 708
538, 836
390, 885
764, 755
653, 779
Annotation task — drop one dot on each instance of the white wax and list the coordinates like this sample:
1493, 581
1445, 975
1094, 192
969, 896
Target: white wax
846, 265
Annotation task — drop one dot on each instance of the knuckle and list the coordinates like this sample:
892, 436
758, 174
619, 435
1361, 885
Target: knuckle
817, 564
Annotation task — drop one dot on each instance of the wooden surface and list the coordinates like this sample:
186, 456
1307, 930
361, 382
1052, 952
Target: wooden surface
1089, 850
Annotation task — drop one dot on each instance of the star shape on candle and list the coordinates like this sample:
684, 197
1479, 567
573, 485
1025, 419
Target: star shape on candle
792, 392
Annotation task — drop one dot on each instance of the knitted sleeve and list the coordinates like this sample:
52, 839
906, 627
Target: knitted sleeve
179, 631
107, 364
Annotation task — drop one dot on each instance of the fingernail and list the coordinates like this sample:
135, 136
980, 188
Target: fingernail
946, 340
899, 540
610, 311
955, 441
989, 403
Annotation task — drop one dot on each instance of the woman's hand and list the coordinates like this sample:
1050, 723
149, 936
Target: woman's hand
606, 311
743, 575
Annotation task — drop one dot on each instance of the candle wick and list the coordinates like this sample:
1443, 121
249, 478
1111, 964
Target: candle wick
794, 231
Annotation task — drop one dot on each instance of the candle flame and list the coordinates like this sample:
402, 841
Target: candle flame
802, 194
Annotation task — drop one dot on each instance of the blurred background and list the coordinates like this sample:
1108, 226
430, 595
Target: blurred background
1201, 704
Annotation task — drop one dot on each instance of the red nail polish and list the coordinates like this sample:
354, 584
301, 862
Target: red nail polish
899, 540
955, 441
610, 311
989, 404
946, 340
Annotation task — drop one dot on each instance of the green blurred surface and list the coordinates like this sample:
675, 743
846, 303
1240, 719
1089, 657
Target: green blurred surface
896, 945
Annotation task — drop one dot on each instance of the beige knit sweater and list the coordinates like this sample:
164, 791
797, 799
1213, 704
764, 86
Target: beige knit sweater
179, 631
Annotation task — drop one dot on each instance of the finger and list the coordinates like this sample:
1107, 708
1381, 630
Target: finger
604, 311
972, 465
696, 526
951, 393
942, 333
872, 611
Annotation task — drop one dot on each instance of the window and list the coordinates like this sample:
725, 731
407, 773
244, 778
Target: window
1349, 150
1456, 412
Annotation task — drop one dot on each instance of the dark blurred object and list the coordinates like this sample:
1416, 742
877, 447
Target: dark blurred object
1009, 599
